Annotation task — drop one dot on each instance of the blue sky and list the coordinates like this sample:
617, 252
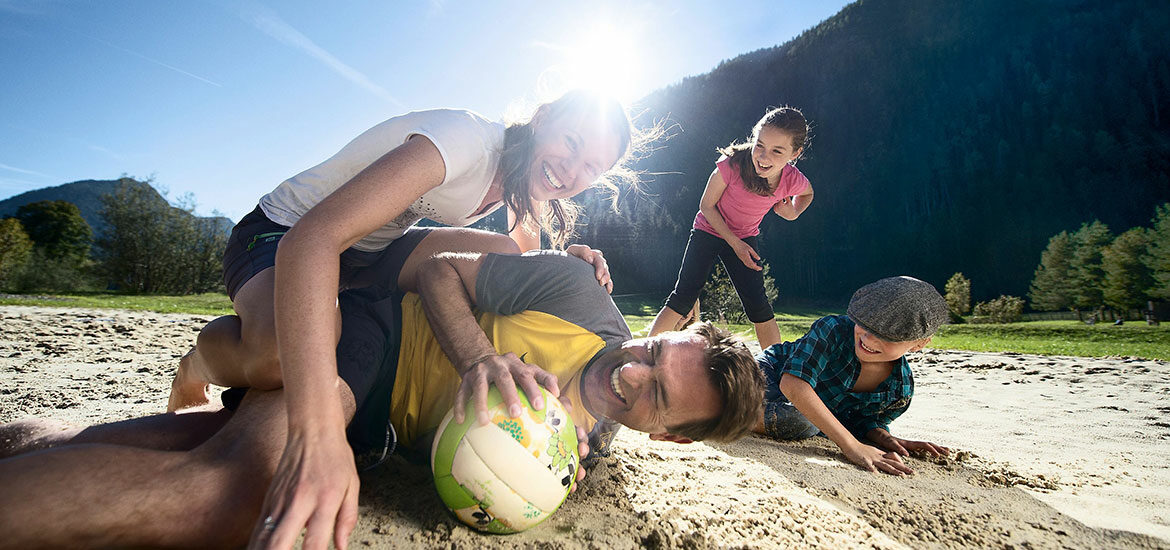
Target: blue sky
223, 100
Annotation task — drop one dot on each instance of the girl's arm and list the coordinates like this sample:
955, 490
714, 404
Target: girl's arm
707, 205
806, 400
316, 483
792, 207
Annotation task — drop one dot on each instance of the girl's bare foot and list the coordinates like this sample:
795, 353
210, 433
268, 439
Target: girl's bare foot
187, 390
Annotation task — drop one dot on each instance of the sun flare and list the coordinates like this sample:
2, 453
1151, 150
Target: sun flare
604, 58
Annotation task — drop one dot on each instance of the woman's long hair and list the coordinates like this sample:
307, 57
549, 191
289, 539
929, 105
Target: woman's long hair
560, 215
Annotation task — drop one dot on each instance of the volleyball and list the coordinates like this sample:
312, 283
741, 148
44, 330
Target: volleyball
510, 474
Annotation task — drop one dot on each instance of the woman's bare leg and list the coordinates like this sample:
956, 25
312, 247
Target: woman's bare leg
240, 350
234, 350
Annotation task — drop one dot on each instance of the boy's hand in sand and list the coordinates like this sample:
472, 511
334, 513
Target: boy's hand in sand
905, 447
876, 460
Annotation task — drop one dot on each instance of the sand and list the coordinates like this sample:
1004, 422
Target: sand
1049, 452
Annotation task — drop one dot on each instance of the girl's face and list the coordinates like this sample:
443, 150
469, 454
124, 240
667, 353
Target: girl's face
771, 151
569, 154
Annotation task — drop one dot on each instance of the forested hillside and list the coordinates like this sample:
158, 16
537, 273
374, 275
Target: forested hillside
947, 136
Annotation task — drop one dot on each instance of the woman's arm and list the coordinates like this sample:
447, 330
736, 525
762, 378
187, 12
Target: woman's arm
707, 205
316, 484
791, 208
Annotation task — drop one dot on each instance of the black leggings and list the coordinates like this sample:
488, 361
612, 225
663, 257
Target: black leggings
699, 258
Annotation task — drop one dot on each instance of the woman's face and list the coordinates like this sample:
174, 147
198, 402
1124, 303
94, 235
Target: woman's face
569, 154
771, 151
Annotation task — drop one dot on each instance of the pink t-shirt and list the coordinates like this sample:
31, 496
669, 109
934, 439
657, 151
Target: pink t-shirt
743, 210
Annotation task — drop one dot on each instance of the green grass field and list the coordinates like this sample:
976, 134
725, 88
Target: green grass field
1074, 338
211, 303
1040, 337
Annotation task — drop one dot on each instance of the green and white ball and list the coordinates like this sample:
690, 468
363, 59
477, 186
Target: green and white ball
508, 475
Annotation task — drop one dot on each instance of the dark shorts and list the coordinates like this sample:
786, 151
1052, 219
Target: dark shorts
698, 260
367, 361
252, 248
371, 331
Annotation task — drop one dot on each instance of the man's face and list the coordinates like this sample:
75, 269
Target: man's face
653, 384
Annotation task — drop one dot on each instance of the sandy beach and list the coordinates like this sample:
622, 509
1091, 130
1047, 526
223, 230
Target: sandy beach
1047, 452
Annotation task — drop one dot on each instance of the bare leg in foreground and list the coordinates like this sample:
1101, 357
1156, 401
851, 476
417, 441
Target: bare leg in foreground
100, 494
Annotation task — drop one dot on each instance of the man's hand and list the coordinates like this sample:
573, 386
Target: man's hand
506, 372
315, 488
746, 253
904, 447
597, 260
582, 444
874, 459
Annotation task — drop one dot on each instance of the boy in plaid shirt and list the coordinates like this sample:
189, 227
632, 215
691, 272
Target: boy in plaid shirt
848, 378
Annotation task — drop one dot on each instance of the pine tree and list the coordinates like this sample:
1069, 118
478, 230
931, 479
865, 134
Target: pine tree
1051, 289
1087, 274
1127, 280
1157, 257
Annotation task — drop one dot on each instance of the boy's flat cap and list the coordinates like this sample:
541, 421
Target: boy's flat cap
898, 309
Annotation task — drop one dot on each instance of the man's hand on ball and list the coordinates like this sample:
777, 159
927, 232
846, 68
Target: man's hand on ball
507, 372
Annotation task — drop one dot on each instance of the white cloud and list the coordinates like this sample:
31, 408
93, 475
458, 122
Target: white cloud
271, 24
157, 62
23, 171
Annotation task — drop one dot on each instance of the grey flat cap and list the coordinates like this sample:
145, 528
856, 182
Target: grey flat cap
898, 309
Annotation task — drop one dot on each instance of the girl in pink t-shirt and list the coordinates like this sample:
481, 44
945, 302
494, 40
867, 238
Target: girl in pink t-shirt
749, 180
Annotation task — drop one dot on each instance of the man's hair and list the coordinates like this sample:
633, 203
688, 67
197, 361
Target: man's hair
733, 370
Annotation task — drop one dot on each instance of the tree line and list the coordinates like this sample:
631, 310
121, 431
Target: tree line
149, 246
1092, 269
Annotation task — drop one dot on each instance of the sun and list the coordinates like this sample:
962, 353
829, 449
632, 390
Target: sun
606, 58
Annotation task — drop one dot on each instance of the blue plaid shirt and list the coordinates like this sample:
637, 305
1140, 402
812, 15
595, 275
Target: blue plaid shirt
826, 360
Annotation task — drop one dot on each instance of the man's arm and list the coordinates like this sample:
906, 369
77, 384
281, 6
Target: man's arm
448, 296
806, 400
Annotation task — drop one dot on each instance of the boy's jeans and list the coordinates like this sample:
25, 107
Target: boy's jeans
782, 421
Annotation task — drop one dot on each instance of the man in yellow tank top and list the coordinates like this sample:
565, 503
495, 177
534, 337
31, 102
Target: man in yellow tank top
506, 320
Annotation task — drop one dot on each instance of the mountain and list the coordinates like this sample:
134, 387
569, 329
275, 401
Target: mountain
86, 194
947, 136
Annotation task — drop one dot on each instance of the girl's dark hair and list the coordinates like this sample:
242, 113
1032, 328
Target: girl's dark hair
787, 119
560, 215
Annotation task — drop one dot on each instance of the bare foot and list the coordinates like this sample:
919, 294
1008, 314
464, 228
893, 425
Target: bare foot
187, 390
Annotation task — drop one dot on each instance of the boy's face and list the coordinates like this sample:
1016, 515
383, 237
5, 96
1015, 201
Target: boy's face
871, 349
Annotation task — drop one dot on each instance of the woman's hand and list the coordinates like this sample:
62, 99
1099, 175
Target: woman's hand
315, 488
746, 253
507, 372
597, 260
